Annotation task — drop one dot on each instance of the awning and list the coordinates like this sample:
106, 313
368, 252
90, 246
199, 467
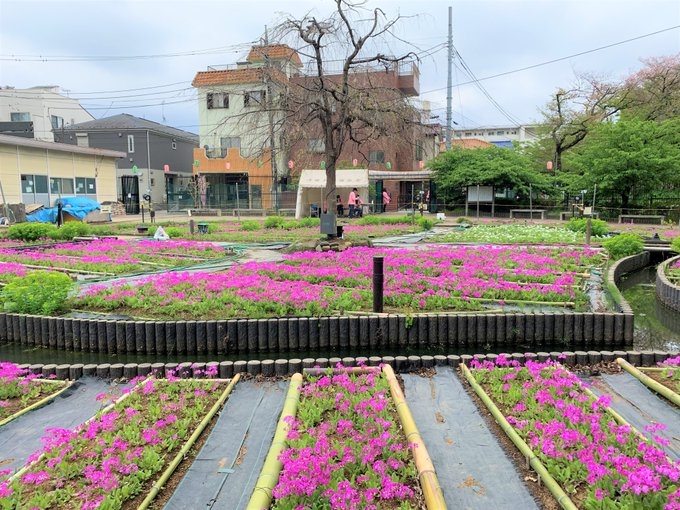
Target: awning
386, 175
354, 178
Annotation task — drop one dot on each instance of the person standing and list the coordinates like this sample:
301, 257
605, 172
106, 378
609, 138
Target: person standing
358, 207
351, 201
385, 200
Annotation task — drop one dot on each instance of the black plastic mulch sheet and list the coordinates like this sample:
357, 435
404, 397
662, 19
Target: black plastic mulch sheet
224, 473
473, 470
640, 407
22, 436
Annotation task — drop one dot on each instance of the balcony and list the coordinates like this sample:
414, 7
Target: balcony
408, 79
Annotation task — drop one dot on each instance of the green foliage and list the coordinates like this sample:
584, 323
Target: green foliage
174, 232
31, 231
381, 219
71, 229
463, 219
425, 223
39, 293
274, 222
250, 225
309, 222
493, 166
675, 244
597, 227
623, 245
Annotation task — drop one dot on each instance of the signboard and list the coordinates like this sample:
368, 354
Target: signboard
480, 193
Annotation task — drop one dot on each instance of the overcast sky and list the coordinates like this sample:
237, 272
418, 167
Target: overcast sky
140, 56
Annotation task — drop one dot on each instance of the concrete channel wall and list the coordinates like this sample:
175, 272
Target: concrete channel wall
667, 293
294, 335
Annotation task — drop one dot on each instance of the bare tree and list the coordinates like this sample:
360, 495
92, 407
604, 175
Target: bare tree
571, 113
345, 97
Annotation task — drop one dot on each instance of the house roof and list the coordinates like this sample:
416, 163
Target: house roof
354, 178
470, 143
61, 147
396, 175
235, 76
276, 52
126, 122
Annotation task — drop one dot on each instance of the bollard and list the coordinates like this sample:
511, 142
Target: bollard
378, 281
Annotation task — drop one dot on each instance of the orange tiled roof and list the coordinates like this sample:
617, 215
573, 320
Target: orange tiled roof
276, 51
235, 76
470, 143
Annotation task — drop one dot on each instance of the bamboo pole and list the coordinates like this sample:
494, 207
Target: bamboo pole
188, 445
432, 491
36, 405
649, 382
269, 476
562, 498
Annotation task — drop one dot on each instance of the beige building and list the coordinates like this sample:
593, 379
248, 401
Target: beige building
37, 172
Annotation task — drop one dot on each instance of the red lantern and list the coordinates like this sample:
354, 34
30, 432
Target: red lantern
166, 168
548, 165
291, 164
421, 164
228, 165
354, 162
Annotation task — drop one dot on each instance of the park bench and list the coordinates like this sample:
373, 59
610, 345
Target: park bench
641, 218
530, 212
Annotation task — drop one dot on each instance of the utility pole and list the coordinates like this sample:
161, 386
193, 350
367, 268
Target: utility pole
449, 84
270, 114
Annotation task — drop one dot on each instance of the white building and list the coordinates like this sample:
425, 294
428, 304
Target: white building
503, 136
38, 111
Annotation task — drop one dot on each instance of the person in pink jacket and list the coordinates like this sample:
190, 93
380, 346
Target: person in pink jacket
351, 201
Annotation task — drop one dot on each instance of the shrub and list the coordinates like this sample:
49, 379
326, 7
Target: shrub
31, 231
71, 229
39, 293
623, 245
174, 232
597, 227
250, 225
675, 244
309, 222
274, 222
463, 219
425, 223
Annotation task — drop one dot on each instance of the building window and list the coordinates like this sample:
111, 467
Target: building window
376, 157
86, 186
217, 100
469, 133
253, 98
229, 142
131, 144
20, 117
60, 186
420, 150
499, 133
82, 140
33, 183
57, 122
316, 145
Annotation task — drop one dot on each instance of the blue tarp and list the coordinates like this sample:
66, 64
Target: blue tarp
78, 207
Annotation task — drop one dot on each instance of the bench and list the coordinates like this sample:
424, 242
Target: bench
248, 212
645, 218
530, 212
204, 212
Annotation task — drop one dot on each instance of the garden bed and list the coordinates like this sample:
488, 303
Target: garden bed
21, 391
583, 452
122, 457
428, 279
350, 443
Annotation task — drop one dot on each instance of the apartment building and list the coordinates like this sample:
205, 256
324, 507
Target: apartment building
38, 112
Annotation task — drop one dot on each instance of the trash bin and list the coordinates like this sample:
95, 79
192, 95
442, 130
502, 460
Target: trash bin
341, 229
202, 228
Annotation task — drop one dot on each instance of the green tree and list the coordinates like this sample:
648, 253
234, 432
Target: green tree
492, 166
631, 159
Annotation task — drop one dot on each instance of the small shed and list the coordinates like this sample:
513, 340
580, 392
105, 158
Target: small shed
313, 183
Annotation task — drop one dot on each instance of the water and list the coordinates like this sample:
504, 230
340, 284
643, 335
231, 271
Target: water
656, 326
